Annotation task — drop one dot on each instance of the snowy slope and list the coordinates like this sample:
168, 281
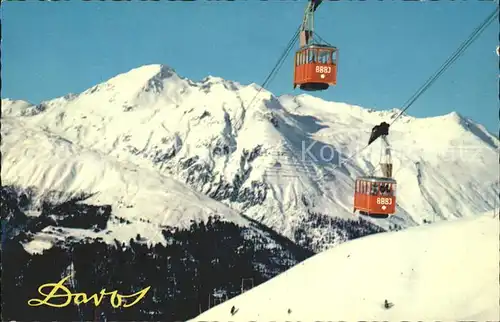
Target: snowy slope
441, 272
250, 156
32, 157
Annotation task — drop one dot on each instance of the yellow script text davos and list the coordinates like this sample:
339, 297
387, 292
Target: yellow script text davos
79, 298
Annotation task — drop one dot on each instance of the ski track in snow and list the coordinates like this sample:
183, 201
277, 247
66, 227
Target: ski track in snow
441, 272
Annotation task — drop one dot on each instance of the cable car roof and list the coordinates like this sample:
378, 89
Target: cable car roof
377, 179
313, 46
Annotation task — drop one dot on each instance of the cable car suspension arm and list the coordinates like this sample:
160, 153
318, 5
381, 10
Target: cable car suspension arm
307, 28
386, 159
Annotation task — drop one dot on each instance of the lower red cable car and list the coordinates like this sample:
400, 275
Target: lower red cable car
315, 67
375, 196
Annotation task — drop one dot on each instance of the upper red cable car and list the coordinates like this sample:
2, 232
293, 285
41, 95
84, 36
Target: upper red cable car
315, 63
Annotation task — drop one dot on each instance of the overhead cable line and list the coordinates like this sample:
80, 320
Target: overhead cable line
473, 37
475, 34
278, 64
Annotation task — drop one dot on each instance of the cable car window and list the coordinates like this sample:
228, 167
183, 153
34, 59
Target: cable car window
333, 57
324, 56
385, 189
388, 190
374, 189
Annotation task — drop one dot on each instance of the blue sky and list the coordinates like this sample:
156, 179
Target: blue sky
387, 49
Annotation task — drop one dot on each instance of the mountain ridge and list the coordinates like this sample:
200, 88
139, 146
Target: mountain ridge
254, 158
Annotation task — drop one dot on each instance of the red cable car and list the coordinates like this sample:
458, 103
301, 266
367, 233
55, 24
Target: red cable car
315, 64
315, 67
375, 196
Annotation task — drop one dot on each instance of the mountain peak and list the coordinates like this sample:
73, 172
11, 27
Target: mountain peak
143, 74
213, 79
12, 107
130, 87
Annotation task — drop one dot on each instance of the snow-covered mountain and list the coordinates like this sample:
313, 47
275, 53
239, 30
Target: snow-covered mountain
144, 203
266, 157
34, 157
442, 272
